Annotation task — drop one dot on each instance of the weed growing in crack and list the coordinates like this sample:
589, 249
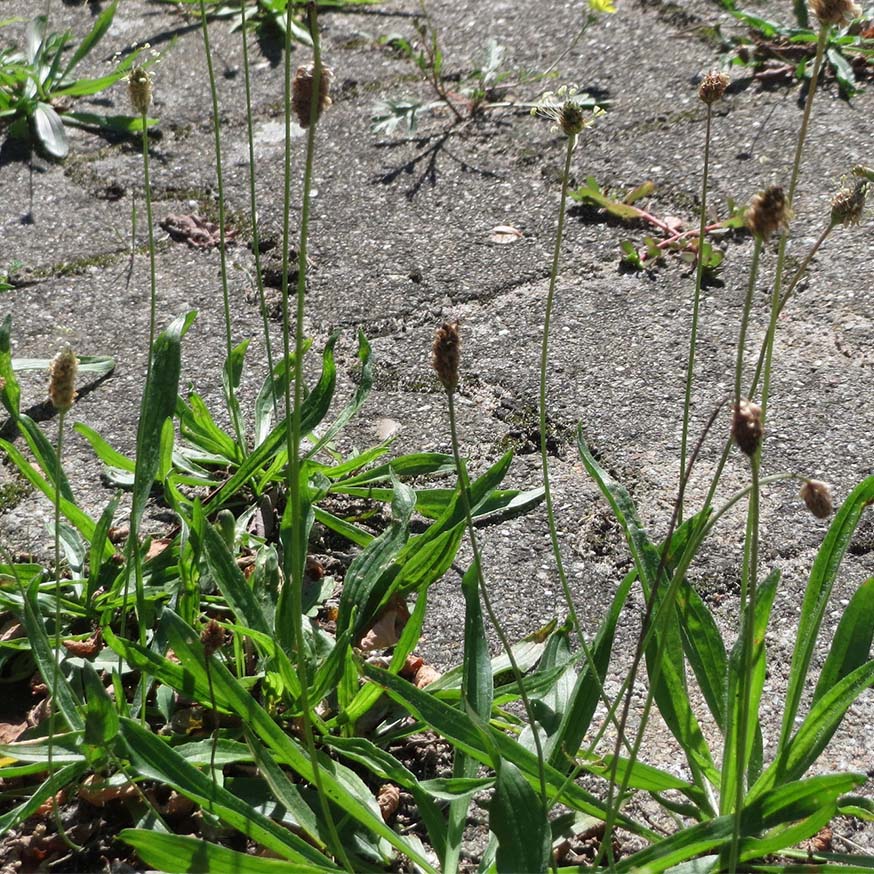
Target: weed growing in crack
274, 708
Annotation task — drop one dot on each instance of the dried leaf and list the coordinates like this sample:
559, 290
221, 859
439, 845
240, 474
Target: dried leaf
196, 231
85, 649
157, 546
98, 792
11, 731
503, 234
388, 798
425, 676
386, 630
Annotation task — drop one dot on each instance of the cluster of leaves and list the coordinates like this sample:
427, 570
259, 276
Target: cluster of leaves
38, 85
774, 49
218, 571
269, 14
675, 235
464, 101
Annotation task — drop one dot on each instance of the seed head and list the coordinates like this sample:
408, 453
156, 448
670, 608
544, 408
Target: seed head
62, 380
445, 354
139, 89
746, 427
849, 203
565, 110
713, 86
302, 93
212, 637
817, 495
838, 12
769, 212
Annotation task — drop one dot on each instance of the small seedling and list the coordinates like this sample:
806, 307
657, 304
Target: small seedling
269, 14
38, 88
777, 51
676, 234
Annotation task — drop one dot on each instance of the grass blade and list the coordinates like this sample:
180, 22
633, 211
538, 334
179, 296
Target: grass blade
177, 853
852, 641
816, 596
155, 759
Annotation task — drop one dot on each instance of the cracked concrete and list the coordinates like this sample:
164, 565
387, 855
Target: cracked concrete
401, 241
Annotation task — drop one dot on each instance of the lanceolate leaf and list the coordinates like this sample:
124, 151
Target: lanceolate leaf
518, 820
156, 759
816, 596
816, 731
167, 852
159, 404
852, 641
459, 729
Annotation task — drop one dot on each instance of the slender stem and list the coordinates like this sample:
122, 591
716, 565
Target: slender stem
784, 237
699, 277
544, 456
745, 320
56, 672
253, 206
233, 410
464, 486
133, 550
153, 284
544, 363
296, 553
57, 665
751, 554
786, 297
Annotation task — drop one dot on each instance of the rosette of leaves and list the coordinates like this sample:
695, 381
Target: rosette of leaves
38, 85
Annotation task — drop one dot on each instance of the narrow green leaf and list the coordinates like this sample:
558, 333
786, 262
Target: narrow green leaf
287, 794
562, 746
703, 645
176, 854
45, 456
11, 393
232, 373
153, 758
44, 656
816, 596
103, 450
360, 596
477, 689
518, 820
59, 780
101, 717
365, 383
97, 32
49, 131
461, 732
851, 646
227, 575
158, 404
816, 731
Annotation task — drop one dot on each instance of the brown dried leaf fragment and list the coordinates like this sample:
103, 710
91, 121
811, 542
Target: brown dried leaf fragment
388, 798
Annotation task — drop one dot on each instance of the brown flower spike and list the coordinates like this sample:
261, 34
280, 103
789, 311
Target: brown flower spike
817, 496
302, 93
769, 212
838, 12
139, 89
713, 86
212, 637
445, 355
849, 203
746, 427
62, 380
